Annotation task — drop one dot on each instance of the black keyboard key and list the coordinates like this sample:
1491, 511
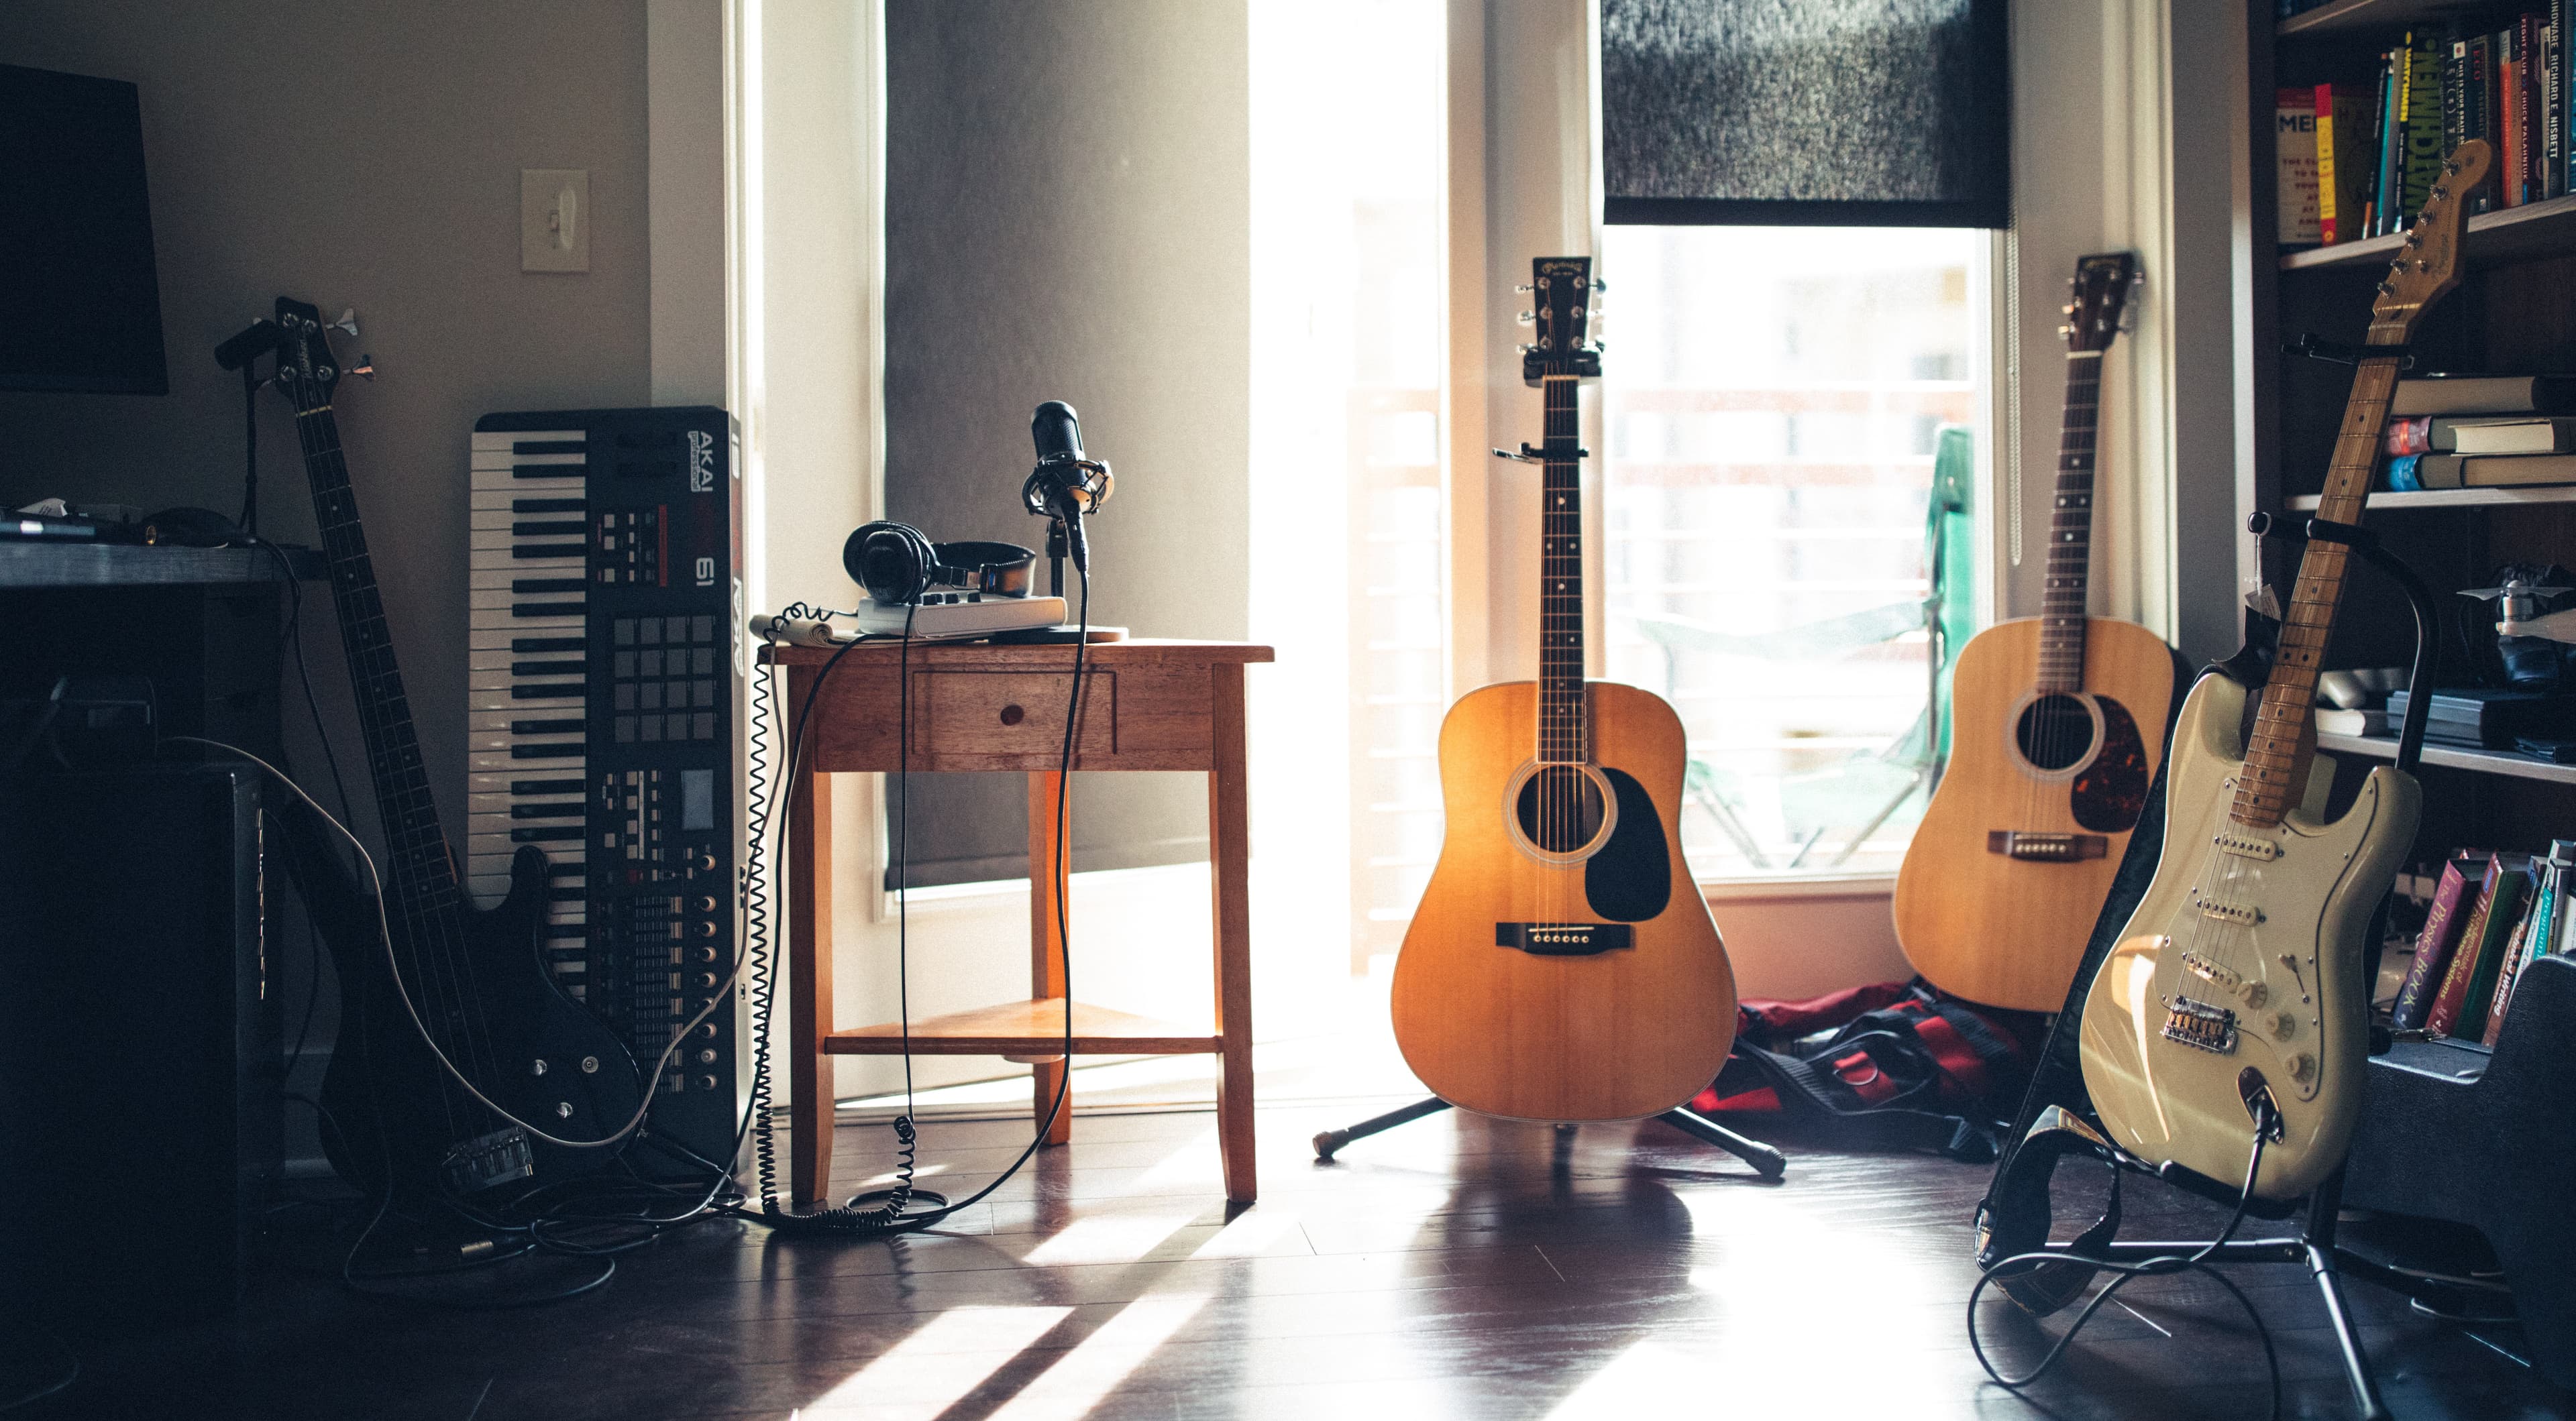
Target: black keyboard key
535, 645
547, 668
550, 550
546, 751
546, 691
548, 727
549, 446
546, 530
551, 505
545, 787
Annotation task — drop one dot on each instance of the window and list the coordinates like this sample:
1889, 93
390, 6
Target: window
1348, 259
1773, 404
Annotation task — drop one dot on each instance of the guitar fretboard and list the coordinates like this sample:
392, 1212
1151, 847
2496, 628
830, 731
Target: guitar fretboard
1561, 702
422, 878
2070, 529
2278, 751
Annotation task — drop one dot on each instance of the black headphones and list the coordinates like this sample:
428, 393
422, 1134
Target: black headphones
897, 565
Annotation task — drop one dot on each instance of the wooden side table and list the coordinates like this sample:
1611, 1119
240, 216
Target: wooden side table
1146, 705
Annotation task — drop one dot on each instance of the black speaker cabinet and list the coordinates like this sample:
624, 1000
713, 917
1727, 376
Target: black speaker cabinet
139, 1044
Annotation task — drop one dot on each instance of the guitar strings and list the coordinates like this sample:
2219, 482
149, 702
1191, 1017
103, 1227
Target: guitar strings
336, 539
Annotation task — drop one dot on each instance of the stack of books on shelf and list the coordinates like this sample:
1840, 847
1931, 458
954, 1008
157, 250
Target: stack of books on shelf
2359, 156
2492, 914
2482, 431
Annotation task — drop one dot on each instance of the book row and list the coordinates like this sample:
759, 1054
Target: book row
2359, 155
2492, 914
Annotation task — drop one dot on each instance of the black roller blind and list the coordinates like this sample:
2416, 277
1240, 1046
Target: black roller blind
1870, 113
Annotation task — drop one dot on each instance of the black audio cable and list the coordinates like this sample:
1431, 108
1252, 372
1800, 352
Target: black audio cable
890, 1216
2266, 1123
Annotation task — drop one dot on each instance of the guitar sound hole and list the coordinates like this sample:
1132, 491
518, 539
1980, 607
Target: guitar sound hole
2054, 732
1560, 809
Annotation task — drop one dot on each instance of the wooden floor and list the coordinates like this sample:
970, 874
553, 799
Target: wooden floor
1451, 1269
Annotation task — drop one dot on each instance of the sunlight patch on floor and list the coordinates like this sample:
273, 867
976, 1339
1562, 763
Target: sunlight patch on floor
1069, 1389
951, 1355
1110, 1238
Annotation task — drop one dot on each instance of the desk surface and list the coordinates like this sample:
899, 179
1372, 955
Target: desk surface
32, 564
975, 655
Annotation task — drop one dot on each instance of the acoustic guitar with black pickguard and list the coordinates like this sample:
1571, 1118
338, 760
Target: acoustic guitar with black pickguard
1562, 965
2058, 726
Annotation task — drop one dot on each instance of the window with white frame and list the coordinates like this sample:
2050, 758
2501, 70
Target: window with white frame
1774, 400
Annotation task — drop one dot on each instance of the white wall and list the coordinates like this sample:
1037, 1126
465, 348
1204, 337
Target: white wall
362, 155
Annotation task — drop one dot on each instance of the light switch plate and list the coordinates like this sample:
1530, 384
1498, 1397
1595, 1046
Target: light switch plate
554, 219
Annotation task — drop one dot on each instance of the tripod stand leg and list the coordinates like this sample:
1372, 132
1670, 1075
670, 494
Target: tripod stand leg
2356, 1363
1766, 1161
1331, 1140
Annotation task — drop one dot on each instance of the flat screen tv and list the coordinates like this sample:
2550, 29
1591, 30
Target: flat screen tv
80, 307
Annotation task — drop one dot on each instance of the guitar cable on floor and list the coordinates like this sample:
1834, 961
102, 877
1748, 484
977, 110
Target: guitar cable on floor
2266, 1123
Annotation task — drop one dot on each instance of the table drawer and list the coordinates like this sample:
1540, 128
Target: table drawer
1014, 714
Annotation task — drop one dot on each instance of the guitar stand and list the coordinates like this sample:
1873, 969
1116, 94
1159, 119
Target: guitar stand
1766, 1161
2313, 1246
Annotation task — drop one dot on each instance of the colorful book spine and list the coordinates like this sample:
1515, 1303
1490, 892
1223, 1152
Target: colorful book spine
2412, 434
2419, 117
2390, 184
2557, 98
2504, 911
2535, 136
2294, 145
2528, 936
2335, 207
2405, 474
2508, 90
2477, 108
2442, 924
2447, 1003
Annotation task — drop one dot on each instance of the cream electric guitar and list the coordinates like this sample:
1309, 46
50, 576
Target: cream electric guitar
1562, 965
2234, 993
2059, 723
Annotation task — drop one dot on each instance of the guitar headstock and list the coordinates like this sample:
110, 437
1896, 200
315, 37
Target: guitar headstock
2428, 264
2098, 299
306, 369
1562, 292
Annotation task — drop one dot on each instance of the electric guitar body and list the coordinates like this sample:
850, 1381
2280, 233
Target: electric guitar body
1544, 1024
2057, 724
1562, 965
2016, 852
2249, 941
2232, 1006
474, 1019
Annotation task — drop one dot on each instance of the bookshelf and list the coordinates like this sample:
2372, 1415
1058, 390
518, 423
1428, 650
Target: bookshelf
2454, 757
2515, 311
2385, 502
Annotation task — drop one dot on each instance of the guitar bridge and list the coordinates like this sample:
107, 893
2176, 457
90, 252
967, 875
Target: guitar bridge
486, 1160
2200, 1026
1563, 939
2046, 848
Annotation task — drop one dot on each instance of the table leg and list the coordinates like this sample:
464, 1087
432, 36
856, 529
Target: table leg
809, 987
1048, 878
1229, 858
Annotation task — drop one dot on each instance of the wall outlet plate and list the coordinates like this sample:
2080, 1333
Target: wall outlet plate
554, 219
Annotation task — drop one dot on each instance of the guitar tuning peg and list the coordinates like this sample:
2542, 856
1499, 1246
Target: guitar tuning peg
348, 322
1524, 348
365, 369
2066, 310
1523, 289
1526, 317
1599, 286
2065, 332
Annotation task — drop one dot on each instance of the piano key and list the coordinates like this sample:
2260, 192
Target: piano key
505, 440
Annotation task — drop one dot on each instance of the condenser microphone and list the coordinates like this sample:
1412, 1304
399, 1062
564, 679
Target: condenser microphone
1065, 485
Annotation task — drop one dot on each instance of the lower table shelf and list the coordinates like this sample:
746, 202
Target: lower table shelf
1028, 1028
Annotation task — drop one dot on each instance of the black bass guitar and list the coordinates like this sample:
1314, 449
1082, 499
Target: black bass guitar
453, 982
